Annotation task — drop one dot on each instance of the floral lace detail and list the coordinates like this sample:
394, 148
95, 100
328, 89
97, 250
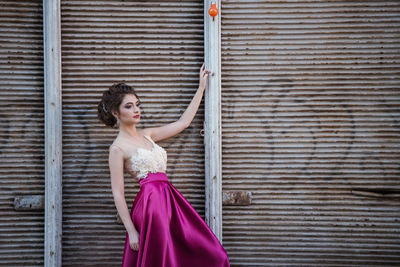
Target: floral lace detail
145, 161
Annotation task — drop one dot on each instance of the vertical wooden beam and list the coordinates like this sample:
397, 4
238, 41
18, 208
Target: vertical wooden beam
212, 128
53, 132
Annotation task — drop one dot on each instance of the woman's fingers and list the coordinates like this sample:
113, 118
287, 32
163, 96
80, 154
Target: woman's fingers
203, 71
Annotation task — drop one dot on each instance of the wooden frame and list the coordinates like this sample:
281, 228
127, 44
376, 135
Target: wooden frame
212, 128
53, 132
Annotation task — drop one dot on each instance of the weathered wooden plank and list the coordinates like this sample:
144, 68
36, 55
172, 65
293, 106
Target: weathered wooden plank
53, 131
212, 124
29, 202
239, 197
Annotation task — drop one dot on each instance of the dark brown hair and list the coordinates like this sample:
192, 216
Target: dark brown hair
111, 100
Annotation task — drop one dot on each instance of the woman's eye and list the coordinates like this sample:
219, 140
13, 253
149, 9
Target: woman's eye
138, 105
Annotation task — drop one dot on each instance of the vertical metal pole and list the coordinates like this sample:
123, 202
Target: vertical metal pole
53, 132
212, 129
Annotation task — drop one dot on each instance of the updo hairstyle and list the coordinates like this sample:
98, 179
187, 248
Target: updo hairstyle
111, 100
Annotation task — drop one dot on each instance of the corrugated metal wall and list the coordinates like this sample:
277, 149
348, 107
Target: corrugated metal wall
157, 47
311, 105
21, 133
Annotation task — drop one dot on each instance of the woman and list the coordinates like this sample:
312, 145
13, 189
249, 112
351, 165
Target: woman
162, 228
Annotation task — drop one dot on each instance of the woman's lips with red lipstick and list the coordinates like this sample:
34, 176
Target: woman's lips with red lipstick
137, 116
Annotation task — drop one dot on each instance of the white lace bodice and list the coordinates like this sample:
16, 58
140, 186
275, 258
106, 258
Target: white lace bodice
145, 161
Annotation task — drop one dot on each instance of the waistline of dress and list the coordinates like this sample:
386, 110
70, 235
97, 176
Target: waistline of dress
152, 177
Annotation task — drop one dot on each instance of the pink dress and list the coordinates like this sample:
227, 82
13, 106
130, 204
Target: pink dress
171, 232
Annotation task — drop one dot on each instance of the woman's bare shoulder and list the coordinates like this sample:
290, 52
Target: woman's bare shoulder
124, 145
116, 146
120, 145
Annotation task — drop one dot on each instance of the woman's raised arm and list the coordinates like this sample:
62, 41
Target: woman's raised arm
172, 129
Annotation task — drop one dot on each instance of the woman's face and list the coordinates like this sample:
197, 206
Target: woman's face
129, 111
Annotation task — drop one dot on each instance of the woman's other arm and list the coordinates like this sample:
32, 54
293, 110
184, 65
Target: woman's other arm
172, 129
116, 164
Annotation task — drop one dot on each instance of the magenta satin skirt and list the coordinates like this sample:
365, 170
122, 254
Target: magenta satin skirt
171, 232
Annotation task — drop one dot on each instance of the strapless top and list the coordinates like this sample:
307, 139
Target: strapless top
144, 161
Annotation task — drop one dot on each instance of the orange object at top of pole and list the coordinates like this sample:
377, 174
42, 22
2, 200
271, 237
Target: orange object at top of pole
213, 11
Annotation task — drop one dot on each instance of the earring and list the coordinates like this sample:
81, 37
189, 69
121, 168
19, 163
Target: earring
117, 123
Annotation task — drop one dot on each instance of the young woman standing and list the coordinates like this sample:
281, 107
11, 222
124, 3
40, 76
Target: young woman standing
162, 228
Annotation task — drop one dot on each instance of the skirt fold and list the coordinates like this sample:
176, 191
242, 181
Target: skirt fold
171, 232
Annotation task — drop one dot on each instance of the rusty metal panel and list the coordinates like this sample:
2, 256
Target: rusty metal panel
155, 46
310, 111
22, 133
